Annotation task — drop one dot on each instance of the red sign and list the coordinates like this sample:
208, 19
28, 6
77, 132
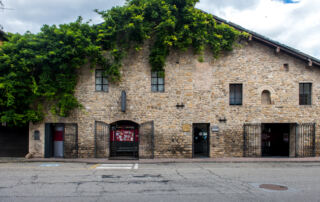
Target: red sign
58, 136
124, 135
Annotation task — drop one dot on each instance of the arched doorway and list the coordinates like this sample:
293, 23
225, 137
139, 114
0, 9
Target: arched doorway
124, 139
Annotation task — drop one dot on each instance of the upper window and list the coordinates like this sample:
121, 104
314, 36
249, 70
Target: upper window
305, 90
101, 81
157, 81
235, 94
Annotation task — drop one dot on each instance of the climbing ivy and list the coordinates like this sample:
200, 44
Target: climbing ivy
39, 68
42, 68
170, 24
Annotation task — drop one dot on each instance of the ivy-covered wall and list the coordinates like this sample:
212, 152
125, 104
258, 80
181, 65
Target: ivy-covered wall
203, 89
42, 68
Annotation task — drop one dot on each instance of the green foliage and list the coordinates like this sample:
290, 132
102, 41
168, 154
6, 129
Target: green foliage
42, 68
170, 24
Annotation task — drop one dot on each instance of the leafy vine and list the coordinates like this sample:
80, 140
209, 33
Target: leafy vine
42, 67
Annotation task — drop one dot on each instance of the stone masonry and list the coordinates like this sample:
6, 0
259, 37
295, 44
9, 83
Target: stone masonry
203, 88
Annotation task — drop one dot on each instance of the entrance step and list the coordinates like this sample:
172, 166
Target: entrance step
123, 158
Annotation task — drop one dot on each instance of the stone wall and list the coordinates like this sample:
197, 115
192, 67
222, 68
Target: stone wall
203, 88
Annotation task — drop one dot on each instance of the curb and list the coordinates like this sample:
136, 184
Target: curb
161, 161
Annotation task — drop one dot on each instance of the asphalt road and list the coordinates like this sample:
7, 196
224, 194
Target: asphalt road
159, 182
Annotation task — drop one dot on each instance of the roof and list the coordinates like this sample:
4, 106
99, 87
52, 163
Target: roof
310, 60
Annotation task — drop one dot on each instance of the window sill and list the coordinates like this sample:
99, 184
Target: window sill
157, 91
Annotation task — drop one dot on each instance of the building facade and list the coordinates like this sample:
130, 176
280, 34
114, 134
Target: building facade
261, 99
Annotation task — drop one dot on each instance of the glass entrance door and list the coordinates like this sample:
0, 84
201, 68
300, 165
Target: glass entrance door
201, 139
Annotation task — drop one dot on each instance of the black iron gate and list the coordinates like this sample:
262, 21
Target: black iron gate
70, 140
306, 140
146, 140
252, 140
101, 139
124, 140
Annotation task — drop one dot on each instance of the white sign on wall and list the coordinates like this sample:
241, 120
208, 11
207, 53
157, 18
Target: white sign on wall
215, 129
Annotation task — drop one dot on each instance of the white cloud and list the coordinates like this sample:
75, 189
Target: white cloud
31, 15
296, 25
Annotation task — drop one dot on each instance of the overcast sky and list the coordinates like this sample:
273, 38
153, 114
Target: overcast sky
293, 22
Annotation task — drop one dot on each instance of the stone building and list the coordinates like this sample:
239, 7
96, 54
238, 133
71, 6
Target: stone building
261, 99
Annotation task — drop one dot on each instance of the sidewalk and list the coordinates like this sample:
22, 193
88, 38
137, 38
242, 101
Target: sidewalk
155, 161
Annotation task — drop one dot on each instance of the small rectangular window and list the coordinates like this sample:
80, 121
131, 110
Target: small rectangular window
235, 94
157, 81
305, 93
102, 83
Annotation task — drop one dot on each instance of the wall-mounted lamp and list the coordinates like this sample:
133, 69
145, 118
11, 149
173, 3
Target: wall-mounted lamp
223, 120
180, 106
123, 101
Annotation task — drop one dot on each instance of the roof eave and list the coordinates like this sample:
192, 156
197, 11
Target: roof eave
289, 50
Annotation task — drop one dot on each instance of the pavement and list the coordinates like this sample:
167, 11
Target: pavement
197, 181
166, 160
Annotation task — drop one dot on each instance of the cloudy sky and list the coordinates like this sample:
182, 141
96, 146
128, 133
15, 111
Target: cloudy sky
293, 22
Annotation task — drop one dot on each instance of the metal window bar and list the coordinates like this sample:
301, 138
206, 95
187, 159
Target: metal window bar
305, 93
101, 139
235, 94
152, 141
305, 140
102, 83
71, 140
157, 81
146, 140
252, 140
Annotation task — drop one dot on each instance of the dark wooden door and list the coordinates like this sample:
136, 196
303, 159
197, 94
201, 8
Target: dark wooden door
102, 137
70, 140
146, 140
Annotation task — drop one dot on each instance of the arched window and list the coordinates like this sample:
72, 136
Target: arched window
266, 97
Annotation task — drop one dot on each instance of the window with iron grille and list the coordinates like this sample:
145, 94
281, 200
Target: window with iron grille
157, 81
305, 90
102, 83
235, 94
